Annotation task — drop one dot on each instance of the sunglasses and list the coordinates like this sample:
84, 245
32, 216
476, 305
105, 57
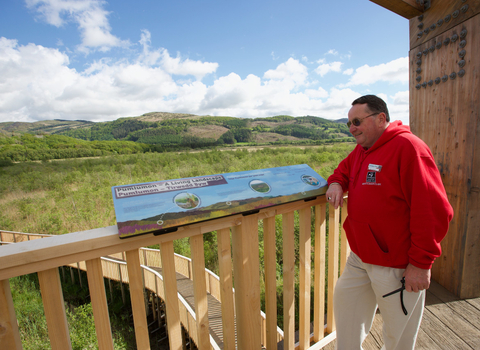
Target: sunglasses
357, 122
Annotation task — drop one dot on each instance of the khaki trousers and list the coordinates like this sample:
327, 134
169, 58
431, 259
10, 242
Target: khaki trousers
357, 294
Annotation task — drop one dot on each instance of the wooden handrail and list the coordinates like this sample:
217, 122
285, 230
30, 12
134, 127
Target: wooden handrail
45, 255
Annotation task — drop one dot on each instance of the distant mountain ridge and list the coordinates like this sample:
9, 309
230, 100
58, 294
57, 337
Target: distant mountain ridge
163, 128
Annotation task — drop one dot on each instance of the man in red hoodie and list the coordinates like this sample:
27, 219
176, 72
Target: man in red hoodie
398, 213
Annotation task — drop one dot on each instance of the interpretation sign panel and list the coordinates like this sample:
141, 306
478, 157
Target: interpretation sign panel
160, 206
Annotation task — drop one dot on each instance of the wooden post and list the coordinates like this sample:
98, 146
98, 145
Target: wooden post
445, 113
288, 222
99, 303
171, 299
305, 247
344, 247
319, 278
137, 299
246, 270
226, 288
9, 334
270, 260
333, 245
54, 307
200, 292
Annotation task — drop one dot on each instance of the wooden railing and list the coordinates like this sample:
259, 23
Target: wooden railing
237, 237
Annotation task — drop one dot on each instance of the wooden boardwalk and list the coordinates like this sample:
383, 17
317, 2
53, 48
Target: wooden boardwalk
448, 324
185, 288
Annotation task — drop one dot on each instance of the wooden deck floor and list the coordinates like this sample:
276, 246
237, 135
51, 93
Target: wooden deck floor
448, 324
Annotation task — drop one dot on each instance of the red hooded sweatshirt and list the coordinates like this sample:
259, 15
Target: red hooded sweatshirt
398, 211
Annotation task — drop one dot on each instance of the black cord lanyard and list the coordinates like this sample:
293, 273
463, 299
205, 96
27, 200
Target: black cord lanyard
401, 289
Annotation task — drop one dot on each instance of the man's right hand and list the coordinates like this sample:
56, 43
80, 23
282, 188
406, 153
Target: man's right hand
335, 195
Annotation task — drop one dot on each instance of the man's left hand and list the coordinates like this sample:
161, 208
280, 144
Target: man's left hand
416, 279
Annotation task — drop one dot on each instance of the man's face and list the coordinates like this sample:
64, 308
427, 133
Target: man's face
369, 129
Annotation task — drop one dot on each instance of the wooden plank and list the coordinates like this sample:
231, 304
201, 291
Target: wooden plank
270, 260
288, 280
344, 247
9, 333
171, 299
405, 8
471, 258
423, 29
475, 303
226, 288
137, 299
447, 118
425, 341
319, 272
305, 247
200, 292
333, 247
54, 307
99, 304
459, 323
466, 308
246, 266
442, 336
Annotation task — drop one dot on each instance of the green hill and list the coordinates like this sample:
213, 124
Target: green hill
158, 132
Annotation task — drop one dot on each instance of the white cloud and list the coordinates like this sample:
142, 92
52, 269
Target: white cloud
348, 71
328, 67
170, 64
391, 72
292, 72
332, 52
89, 15
38, 84
398, 107
317, 93
187, 66
401, 98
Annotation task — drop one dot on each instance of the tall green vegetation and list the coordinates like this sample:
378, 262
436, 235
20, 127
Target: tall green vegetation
44, 147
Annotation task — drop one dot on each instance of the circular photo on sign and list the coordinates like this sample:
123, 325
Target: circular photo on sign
259, 186
187, 200
310, 180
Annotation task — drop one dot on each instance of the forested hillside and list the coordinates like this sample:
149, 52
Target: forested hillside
159, 132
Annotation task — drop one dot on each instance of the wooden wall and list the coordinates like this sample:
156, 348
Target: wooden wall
445, 113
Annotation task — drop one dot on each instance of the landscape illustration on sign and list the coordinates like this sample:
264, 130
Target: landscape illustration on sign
157, 206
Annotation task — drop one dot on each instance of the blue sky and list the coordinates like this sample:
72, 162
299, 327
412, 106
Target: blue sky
103, 60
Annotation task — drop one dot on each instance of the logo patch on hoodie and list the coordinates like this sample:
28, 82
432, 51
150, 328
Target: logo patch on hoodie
371, 177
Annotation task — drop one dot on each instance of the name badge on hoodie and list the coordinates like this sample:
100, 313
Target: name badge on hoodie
374, 167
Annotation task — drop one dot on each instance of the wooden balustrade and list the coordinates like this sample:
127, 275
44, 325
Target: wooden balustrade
101, 253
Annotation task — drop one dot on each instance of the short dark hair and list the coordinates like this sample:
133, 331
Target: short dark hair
374, 103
